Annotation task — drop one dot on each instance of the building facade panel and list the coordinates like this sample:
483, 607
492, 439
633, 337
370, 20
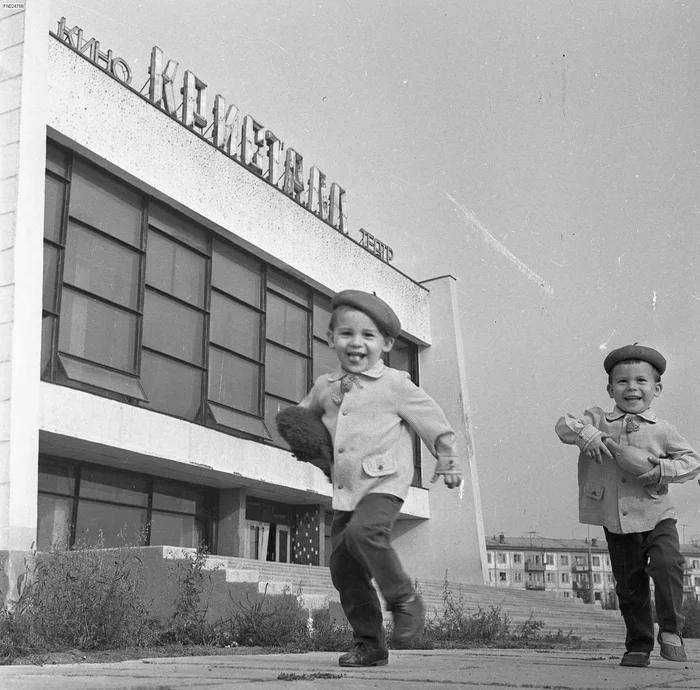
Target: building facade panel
169, 301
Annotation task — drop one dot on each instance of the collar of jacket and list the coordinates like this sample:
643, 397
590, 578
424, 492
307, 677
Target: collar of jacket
617, 413
374, 373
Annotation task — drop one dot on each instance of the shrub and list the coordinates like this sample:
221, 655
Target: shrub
189, 624
261, 623
86, 598
89, 598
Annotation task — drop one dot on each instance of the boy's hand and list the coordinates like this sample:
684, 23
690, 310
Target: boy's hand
448, 469
652, 476
597, 450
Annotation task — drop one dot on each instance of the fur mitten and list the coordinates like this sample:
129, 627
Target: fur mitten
307, 437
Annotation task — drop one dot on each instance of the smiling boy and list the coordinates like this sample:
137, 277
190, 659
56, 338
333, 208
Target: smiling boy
367, 408
636, 512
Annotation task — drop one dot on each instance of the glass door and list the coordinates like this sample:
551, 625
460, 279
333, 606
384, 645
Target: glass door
256, 540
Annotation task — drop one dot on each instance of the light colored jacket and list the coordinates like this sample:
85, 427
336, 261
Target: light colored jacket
372, 447
616, 499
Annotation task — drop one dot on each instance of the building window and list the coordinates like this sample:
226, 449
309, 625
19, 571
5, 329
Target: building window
596, 561
489, 557
550, 559
550, 577
92, 270
697, 581
502, 577
565, 578
502, 558
287, 356
235, 342
596, 578
564, 560
567, 595
174, 315
517, 558
92, 505
143, 305
518, 577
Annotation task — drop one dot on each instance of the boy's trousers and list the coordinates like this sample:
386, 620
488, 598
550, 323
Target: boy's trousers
635, 558
362, 550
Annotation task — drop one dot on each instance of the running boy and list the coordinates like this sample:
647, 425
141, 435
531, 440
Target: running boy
367, 408
639, 525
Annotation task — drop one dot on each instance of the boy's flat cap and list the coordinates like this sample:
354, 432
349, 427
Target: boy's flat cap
641, 352
377, 309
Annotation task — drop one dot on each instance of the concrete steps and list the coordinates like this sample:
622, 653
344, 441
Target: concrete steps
315, 585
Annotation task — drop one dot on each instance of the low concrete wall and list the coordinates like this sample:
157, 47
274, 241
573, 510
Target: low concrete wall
162, 571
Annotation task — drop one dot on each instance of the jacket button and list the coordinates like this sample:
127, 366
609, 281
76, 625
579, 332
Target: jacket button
380, 467
341, 450
623, 480
340, 486
624, 512
345, 412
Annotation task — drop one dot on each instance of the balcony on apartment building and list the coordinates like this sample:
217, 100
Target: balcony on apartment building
534, 566
538, 586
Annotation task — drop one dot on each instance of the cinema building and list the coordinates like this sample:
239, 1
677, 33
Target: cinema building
167, 268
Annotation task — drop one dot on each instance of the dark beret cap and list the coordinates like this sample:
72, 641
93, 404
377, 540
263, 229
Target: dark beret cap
645, 354
377, 309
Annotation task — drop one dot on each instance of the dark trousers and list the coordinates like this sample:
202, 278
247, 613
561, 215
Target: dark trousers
362, 550
636, 558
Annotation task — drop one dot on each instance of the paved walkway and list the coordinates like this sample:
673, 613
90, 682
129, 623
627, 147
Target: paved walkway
437, 670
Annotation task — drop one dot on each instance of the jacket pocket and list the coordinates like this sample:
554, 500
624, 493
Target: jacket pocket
379, 467
593, 490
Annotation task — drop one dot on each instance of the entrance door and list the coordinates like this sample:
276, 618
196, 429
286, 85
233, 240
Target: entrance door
283, 544
268, 542
256, 540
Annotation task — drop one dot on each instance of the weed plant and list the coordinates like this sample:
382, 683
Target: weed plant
456, 627
87, 598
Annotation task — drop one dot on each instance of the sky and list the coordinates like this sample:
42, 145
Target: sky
545, 154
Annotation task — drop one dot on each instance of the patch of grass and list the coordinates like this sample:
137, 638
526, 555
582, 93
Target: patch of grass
456, 627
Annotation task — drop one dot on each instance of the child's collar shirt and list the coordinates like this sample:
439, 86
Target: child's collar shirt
608, 495
368, 416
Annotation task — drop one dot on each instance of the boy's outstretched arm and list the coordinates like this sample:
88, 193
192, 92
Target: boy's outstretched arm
428, 420
583, 432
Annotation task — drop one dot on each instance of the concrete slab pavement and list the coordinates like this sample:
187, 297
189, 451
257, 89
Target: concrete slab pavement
438, 670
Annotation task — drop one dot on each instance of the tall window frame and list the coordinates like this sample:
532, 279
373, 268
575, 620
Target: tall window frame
234, 385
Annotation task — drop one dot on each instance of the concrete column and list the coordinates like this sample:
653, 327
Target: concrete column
23, 59
453, 538
232, 522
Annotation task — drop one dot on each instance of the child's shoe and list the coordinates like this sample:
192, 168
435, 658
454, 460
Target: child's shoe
409, 619
672, 647
640, 659
363, 654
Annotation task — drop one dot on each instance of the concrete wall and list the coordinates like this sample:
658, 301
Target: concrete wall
23, 55
453, 539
